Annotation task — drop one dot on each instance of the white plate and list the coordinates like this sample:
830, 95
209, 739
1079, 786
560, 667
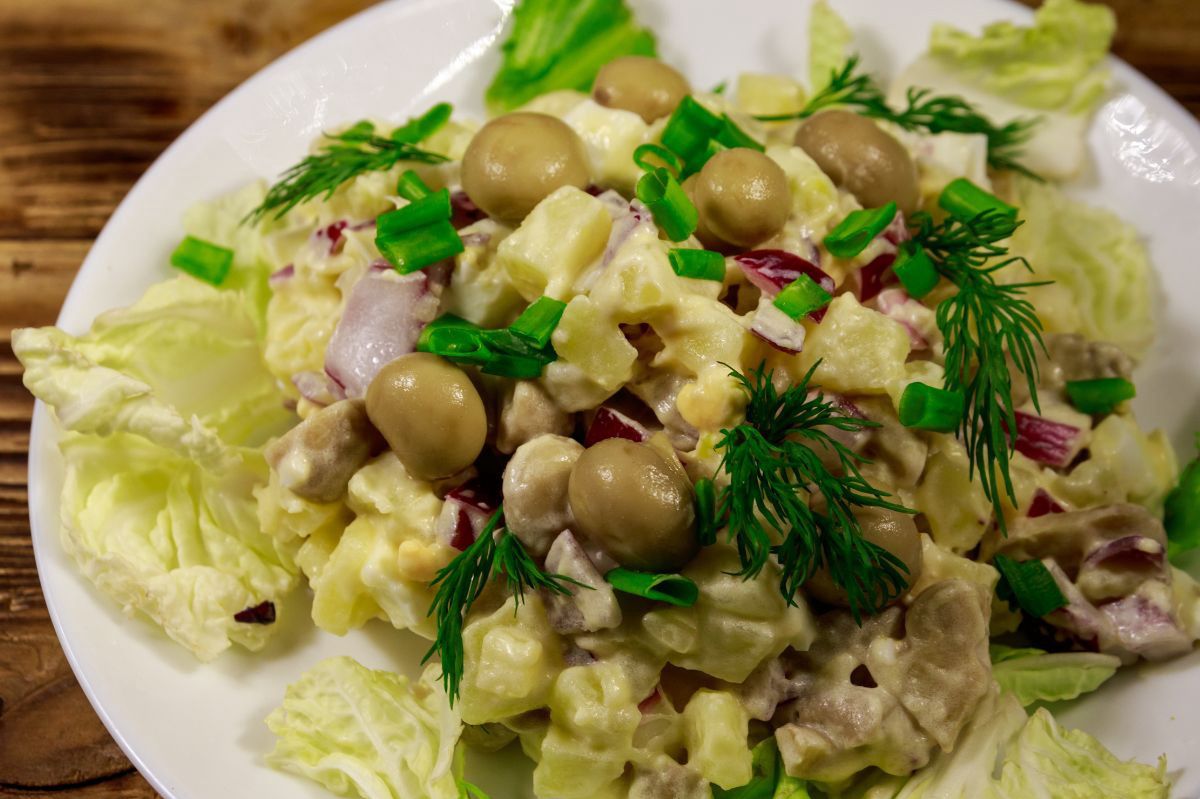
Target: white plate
196, 731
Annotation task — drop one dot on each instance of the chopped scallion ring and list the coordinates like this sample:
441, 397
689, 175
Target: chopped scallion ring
732, 136
672, 589
419, 234
963, 200
858, 229
1030, 584
928, 408
672, 210
915, 269
801, 297
1101, 395
698, 264
689, 132
667, 159
518, 367
537, 322
411, 187
421, 128
202, 260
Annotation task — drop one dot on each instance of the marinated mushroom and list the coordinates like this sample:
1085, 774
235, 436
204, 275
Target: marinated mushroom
316, 458
430, 414
861, 158
742, 197
895, 532
526, 412
536, 509
517, 160
635, 505
643, 85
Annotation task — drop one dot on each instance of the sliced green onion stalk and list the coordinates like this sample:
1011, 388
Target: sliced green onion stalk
858, 229
1181, 514
1100, 396
202, 260
801, 297
537, 322
964, 201
419, 234
689, 132
518, 367
645, 152
501, 352
1029, 584
418, 129
915, 269
672, 589
928, 408
730, 135
698, 264
455, 339
673, 211
706, 512
411, 187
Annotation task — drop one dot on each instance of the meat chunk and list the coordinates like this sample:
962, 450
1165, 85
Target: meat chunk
666, 779
536, 508
592, 604
316, 458
526, 412
897, 453
1081, 359
886, 693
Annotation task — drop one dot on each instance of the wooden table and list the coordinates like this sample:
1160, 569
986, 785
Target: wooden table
90, 92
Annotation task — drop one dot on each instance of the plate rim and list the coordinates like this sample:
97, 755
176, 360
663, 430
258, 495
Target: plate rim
43, 433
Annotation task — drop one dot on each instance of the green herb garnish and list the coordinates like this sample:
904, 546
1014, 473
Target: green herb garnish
419, 234
801, 297
461, 582
1028, 584
344, 156
856, 91
519, 351
672, 210
697, 264
1181, 512
774, 466
984, 323
1101, 395
858, 229
928, 408
671, 589
203, 260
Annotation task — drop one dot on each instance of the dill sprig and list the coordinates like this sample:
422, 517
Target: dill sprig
986, 324
923, 110
774, 467
344, 156
461, 582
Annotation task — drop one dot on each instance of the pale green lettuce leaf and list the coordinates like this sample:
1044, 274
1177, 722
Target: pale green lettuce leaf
1047, 761
374, 734
1053, 65
829, 40
1103, 282
1003, 754
163, 404
1032, 675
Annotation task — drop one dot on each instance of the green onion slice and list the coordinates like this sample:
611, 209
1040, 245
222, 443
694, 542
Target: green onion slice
202, 260
518, 367
411, 187
858, 229
419, 234
801, 297
666, 158
915, 269
537, 322
732, 136
689, 132
1030, 584
673, 589
497, 352
1101, 395
706, 512
928, 408
420, 128
455, 339
672, 210
698, 264
964, 201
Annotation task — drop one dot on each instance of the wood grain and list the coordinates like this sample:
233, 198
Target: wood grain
91, 91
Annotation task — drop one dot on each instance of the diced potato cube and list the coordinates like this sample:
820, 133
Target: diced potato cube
700, 332
768, 94
563, 234
589, 340
510, 662
860, 350
816, 202
715, 730
610, 136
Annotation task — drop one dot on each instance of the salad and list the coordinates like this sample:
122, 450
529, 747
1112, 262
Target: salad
770, 439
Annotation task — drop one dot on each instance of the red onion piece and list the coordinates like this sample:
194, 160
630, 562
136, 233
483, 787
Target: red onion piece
611, 423
383, 318
464, 211
1134, 552
318, 388
464, 515
1043, 504
877, 275
652, 700
771, 270
895, 304
330, 237
1146, 628
281, 276
1046, 441
777, 328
